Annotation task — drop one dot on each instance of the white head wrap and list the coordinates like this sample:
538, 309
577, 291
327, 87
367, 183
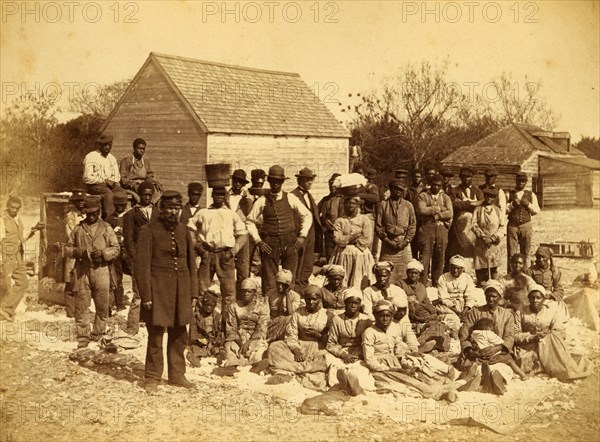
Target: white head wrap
415, 264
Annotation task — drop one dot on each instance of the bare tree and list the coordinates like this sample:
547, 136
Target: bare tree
99, 101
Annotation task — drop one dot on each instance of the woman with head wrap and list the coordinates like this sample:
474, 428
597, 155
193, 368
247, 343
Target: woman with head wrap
540, 340
544, 272
488, 225
333, 290
455, 293
386, 348
353, 236
382, 289
303, 348
283, 302
479, 362
246, 326
344, 344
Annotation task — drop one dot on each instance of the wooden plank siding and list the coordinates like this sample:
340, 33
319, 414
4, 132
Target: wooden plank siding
505, 179
153, 111
323, 156
564, 184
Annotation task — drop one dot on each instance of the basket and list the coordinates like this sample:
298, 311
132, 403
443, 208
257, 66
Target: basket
349, 191
218, 175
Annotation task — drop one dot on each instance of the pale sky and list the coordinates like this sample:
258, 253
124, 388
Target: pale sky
349, 49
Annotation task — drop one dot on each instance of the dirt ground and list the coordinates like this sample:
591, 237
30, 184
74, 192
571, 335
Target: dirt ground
44, 395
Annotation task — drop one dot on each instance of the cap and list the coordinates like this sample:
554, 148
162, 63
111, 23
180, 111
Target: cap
383, 305
277, 172
120, 197
445, 172
258, 174
466, 171
305, 173
92, 203
490, 171
104, 139
239, 174
171, 199
398, 184
490, 191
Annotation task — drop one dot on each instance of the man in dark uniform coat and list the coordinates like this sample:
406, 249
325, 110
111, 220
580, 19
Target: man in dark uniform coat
165, 271
306, 255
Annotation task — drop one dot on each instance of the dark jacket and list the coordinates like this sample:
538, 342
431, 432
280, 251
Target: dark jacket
165, 271
133, 221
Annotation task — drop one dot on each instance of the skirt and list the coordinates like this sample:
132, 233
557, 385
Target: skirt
358, 265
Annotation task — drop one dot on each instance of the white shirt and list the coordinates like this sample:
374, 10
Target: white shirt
534, 207
97, 169
255, 217
217, 227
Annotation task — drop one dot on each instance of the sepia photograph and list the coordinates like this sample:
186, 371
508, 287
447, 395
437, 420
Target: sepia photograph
299, 220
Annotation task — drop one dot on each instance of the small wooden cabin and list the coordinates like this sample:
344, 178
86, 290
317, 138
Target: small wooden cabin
559, 174
193, 112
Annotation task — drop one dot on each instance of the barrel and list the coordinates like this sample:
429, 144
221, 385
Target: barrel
218, 175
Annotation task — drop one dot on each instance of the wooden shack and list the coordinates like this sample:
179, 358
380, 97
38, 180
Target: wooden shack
558, 173
193, 112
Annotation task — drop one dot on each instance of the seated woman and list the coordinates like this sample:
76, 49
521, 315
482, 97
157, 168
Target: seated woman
353, 236
246, 326
303, 348
345, 346
455, 292
400, 304
516, 285
545, 274
479, 364
540, 340
283, 302
382, 289
334, 288
206, 330
384, 347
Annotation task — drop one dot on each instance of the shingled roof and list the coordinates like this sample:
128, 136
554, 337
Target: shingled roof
511, 145
239, 100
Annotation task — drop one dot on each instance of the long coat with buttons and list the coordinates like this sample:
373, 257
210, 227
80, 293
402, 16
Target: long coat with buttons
165, 271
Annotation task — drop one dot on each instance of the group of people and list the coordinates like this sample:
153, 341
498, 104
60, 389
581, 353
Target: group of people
372, 320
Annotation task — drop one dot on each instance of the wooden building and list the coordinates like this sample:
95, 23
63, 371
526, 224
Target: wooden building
193, 112
559, 174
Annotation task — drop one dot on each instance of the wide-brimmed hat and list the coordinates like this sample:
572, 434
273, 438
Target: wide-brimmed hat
120, 197
491, 171
93, 203
239, 174
104, 139
445, 172
277, 172
306, 173
466, 171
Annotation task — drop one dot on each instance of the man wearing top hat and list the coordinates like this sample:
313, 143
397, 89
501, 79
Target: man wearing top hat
165, 270
237, 199
219, 236
73, 217
521, 205
94, 246
306, 256
490, 183
396, 225
465, 197
101, 173
280, 239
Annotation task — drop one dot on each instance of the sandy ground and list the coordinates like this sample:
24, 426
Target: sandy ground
46, 396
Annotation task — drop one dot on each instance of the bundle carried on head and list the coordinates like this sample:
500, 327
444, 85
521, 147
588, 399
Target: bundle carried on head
218, 175
349, 184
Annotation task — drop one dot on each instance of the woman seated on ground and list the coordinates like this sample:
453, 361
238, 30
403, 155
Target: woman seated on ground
283, 302
246, 326
303, 348
353, 236
206, 330
385, 347
479, 365
516, 285
540, 340
345, 346
334, 288
382, 289
455, 292
545, 274
400, 304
